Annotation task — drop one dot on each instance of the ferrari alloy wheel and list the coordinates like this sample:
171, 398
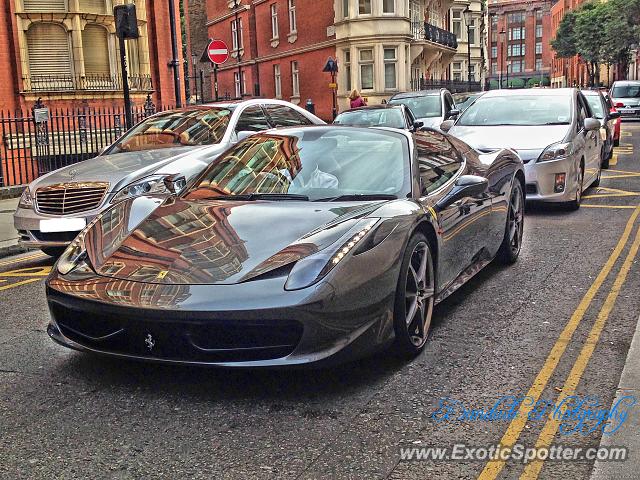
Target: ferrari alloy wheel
414, 297
512, 241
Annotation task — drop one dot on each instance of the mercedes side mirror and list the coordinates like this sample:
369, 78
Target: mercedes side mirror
453, 113
417, 125
465, 186
447, 125
614, 115
175, 183
592, 124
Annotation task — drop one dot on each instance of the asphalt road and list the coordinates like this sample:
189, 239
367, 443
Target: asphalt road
562, 317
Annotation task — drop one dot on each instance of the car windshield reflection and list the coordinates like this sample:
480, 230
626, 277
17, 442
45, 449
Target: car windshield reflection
313, 164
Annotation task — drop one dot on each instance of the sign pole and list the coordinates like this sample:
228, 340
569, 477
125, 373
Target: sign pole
215, 81
125, 83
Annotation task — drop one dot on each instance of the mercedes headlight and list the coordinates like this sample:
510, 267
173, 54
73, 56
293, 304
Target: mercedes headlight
556, 151
26, 200
153, 185
309, 270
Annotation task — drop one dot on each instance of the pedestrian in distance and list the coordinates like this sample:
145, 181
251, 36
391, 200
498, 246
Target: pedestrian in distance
357, 100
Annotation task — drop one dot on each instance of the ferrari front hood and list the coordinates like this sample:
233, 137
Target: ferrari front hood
222, 242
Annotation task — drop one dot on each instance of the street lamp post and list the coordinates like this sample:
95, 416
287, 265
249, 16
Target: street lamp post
236, 6
467, 20
502, 34
175, 64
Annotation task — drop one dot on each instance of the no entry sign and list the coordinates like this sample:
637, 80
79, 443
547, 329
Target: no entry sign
218, 52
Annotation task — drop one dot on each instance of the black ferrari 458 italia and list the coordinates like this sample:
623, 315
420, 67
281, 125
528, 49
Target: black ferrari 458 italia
307, 245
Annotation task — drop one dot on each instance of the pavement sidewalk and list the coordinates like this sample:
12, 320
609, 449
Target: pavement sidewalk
8, 234
628, 435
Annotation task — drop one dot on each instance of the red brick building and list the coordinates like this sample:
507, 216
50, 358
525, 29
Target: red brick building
65, 52
282, 50
519, 36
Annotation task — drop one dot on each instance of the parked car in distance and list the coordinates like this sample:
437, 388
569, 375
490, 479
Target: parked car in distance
625, 97
384, 115
607, 119
431, 107
464, 99
553, 131
297, 246
56, 206
617, 122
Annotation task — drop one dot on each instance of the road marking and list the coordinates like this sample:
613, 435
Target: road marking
17, 284
614, 160
621, 171
626, 175
551, 426
28, 272
493, 468
22, 259
608, 206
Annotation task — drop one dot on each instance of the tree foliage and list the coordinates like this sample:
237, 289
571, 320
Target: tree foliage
600, 33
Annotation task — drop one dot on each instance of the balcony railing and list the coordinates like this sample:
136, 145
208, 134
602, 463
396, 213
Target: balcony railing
454, 86
426, 31
70, 83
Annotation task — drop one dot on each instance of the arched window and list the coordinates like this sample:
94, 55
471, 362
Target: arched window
46, 6
95, 45
49, 56
93, 6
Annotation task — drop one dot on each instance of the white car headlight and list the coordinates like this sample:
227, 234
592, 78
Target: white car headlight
153, 185
556, 152
26, 200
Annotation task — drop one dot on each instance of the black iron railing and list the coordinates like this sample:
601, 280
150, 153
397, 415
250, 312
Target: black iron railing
65, 83
426, 31
454, 86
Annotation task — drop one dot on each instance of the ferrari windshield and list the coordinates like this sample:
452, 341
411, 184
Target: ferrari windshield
376, 117
310, 164
423, 106
518, 110
176, 128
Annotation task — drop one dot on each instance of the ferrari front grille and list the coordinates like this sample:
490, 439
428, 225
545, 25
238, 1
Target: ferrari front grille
70, 198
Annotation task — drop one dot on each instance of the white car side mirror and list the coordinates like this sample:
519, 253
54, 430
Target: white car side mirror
447, 125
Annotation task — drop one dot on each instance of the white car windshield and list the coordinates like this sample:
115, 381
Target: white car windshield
518, 110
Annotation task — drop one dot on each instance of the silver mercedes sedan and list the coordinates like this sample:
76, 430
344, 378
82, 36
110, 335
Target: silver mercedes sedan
178, 144
553, 131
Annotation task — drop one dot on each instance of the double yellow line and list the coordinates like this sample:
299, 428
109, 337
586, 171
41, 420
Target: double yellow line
493, 468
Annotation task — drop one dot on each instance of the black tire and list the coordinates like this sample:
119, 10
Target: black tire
54, 252
605, 163
616, 143
512, 241
411, 335
575, 204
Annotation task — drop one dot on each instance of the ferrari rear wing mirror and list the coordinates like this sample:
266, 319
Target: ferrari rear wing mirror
465, 186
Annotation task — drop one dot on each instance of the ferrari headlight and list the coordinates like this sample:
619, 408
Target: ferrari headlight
556, 152
26, 200
153, 185
309, 270
76, 252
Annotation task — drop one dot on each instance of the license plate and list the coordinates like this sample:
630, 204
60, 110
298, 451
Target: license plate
62, 225
628, 110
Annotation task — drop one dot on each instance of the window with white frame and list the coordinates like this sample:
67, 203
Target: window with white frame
538, 48
293, 23
277, 80
457, 23
236, 34
366, 69
345, 8
274, 20
494, 51
388, 6
472, 70
295, 79
538, 31
457, 70
347, 70
472, 32
538, 64
364, 7
390, 68
236, 81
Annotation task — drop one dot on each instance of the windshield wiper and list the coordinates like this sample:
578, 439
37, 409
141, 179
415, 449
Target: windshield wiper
262, 196
557, 123
358, 196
